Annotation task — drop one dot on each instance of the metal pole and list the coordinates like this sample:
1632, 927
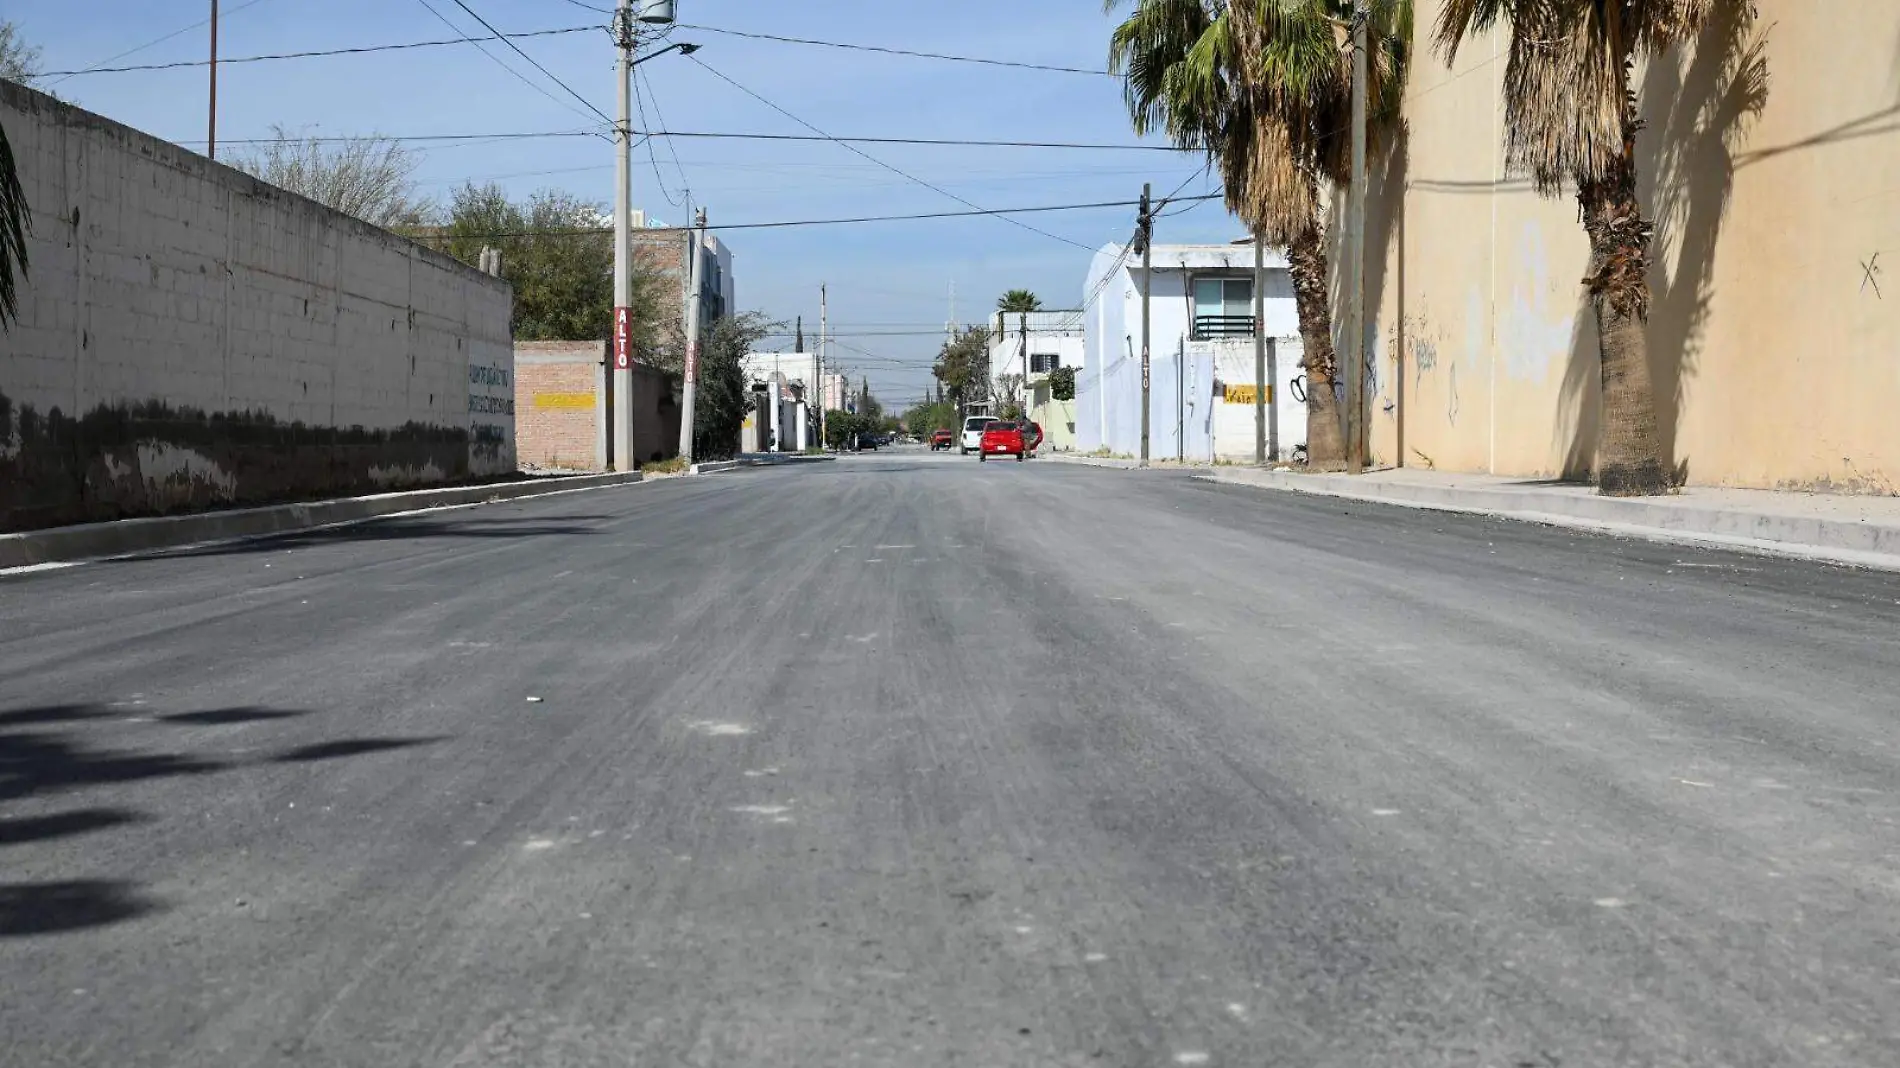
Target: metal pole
1262, 383
1146, 236
1356, 281
824, 324
623, 458
689, 390
1273, 403
211, 135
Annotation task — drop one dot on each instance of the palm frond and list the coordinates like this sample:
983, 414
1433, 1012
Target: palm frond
14, 224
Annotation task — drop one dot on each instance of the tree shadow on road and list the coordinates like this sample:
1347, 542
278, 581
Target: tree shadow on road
51, 751
386, 530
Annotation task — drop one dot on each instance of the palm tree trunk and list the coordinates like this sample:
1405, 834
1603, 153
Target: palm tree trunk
1629, 449
1306, 263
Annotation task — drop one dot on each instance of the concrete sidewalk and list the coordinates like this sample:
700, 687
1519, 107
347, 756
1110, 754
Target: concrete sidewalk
1863, 531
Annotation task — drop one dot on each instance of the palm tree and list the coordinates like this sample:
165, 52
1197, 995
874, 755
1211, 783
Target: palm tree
1570, 119
1019, 300
1264, 88
14, 223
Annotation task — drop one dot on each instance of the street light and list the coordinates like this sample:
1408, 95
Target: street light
683, 48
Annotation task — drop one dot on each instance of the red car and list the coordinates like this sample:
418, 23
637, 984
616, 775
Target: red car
941, 439
1003, 438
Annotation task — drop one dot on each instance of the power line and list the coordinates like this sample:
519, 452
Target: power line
722, 135
522, 78
894, 51
532, 62
358, 51
521, 136
778, 224
639, 102
159, 41
874, 159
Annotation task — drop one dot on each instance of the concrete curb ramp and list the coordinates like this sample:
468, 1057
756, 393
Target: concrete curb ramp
713, 467
91, 541
1859, 542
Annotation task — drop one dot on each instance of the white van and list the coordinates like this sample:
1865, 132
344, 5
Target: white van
973, 432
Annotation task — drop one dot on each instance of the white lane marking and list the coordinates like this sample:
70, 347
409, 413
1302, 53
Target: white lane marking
1237, 1011
1610, 902
881, 548
762, 810
1692, 782
755, 773
1095, 958
1385, 811
536, 845
1192, 1056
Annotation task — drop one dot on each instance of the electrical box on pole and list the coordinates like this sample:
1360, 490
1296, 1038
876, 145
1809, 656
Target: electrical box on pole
656, 11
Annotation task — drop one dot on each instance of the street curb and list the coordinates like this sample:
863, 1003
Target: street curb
1093, 461
91, 541
713, 467
1861, 544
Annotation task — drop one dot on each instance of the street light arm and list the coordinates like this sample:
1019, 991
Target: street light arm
684, 48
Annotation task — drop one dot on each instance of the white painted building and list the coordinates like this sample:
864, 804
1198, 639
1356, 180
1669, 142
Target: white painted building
1029, 345
787, 421
1201, 347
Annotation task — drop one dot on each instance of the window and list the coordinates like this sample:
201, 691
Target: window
1223, 307
1041, 363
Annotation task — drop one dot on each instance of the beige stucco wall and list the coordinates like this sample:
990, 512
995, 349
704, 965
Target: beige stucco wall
1775, 359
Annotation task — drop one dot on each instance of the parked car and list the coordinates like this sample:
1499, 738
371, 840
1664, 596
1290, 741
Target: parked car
1003, 437
1032, 436
942, 439
973, 432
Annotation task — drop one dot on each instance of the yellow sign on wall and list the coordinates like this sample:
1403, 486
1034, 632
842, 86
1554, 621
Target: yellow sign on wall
1245, 395
568, 401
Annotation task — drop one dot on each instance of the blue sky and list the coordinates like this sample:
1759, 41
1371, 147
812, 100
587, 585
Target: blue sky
885, 278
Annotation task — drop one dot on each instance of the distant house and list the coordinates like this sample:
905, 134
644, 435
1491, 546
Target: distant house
1032, 345
1201, 353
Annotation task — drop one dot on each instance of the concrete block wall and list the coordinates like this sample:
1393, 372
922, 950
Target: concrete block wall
191, 337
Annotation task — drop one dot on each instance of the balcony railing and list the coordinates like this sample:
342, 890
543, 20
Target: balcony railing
1208, 327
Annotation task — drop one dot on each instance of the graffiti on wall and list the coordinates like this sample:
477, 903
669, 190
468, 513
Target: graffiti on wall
491, 406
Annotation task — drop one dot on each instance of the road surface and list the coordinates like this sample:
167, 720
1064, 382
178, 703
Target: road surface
910, 760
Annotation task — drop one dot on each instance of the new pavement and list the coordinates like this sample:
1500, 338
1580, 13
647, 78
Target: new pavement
910, 760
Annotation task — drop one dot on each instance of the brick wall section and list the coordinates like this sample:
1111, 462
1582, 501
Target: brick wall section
558, 407
552, 427
191, 337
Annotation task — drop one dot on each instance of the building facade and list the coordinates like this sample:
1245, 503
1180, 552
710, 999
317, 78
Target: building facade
1029, 346
669, 253
1201, 353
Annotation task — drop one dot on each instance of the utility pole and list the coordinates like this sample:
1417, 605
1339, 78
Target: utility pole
689, 389
1144, 235
824, 325
627, 40
1262, 384
1356, 236
211, 135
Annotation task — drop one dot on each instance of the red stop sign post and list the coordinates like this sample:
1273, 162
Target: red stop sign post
623, 339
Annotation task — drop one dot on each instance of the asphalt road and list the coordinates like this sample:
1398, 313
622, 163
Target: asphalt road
907, 760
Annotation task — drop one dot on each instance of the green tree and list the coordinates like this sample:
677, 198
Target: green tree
842, 428
962, 366
1263, 87
371, 178
1570, 121
924, 419
724, 395
1062, 383
1019, 300
558, 256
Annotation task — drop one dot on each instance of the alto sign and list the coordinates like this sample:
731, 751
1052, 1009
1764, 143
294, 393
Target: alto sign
623, 339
